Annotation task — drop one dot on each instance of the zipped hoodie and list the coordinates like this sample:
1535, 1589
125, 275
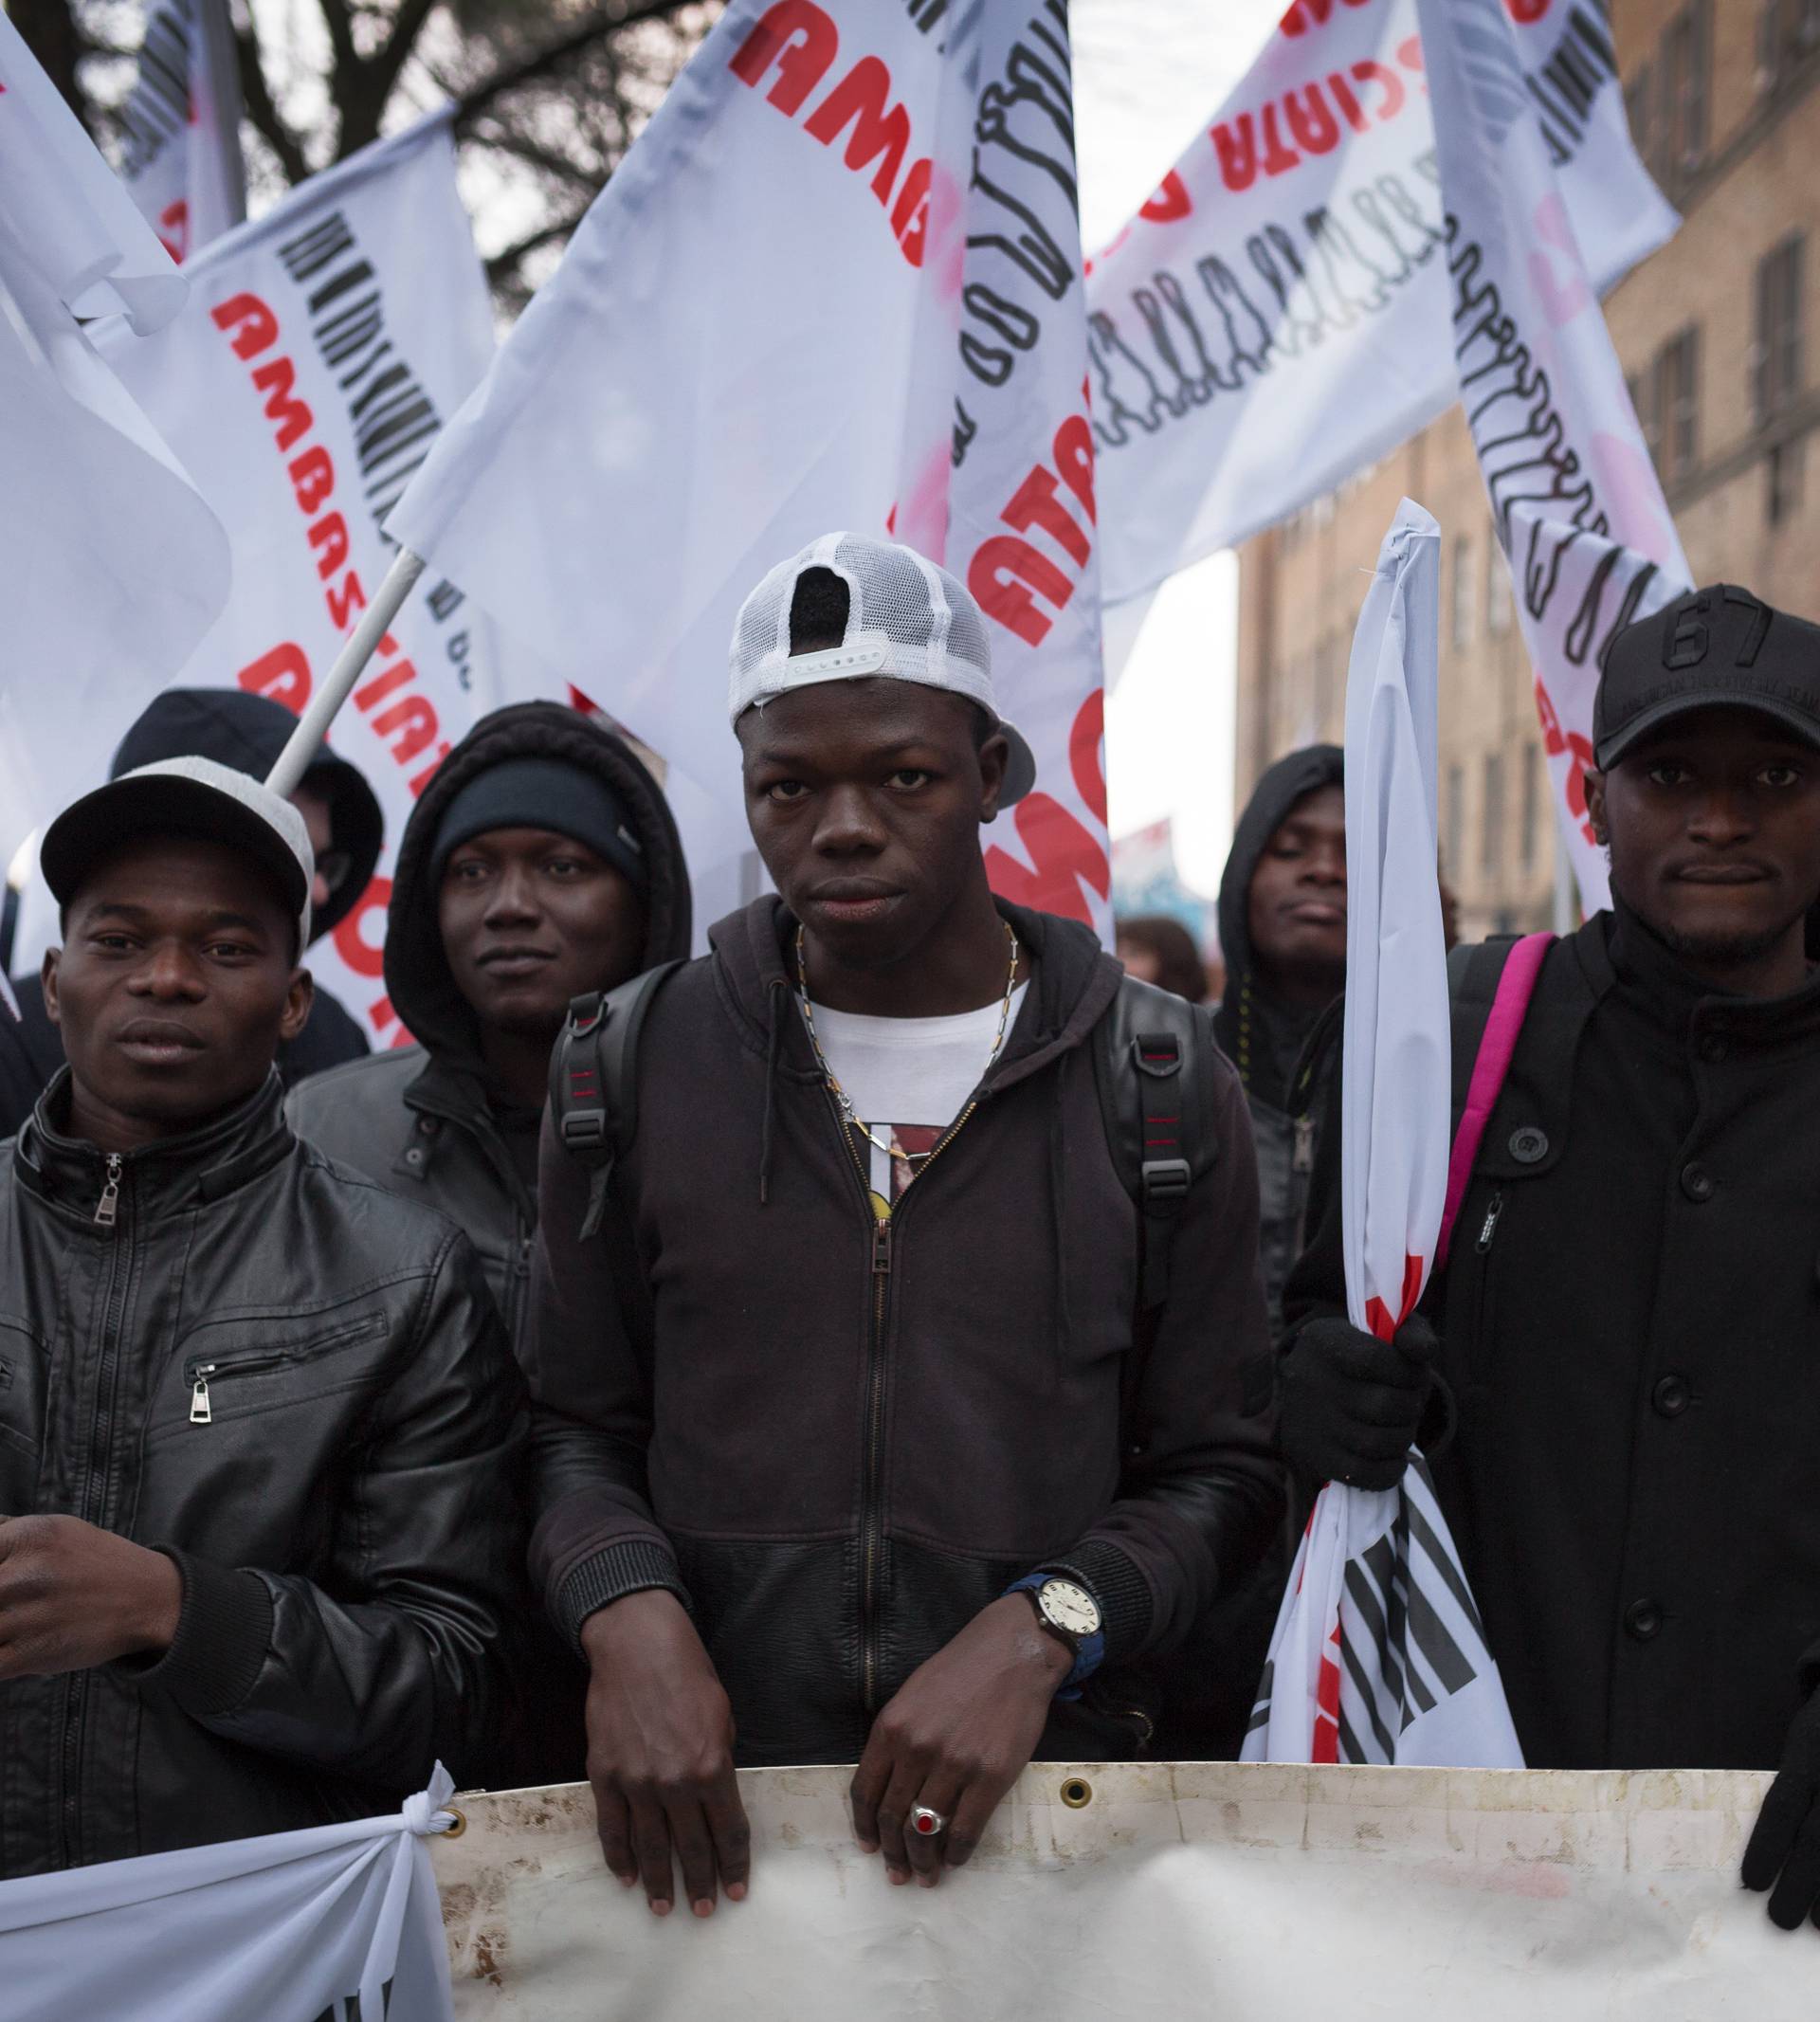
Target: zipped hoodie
417, 1119
837, 1439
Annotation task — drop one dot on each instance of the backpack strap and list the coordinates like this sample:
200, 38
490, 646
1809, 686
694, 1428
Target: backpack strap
1521, 965
1149, 1057
594, 1081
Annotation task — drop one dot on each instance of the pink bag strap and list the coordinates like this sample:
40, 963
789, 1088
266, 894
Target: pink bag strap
1509, 1006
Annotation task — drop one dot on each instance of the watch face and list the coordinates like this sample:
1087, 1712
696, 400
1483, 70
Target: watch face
1069, 1606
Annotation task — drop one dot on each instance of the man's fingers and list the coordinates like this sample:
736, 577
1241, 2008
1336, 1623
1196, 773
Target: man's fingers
893, 1812
612, 1820
941, 1792
1379, 1404
727, 1822
694, 1846
977, 1803
1788, 1804
867, 1788
651, 1848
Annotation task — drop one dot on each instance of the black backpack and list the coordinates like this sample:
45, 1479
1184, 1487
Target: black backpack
1151, 1053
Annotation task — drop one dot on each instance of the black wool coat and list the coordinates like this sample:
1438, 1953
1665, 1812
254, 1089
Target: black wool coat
1630, 1328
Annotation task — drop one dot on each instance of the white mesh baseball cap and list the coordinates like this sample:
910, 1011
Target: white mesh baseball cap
184, 797
905, 617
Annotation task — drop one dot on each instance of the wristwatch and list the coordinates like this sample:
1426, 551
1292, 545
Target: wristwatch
1072, 1614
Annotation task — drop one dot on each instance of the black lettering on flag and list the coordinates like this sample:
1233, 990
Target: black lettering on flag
307, 254
158, 108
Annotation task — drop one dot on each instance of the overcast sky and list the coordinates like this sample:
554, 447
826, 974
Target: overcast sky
1148, 77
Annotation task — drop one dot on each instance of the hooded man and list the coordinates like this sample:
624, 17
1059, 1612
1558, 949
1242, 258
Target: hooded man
542, 863
1283, 932
851, 1441
1630, 1312
346, 830
260, 1551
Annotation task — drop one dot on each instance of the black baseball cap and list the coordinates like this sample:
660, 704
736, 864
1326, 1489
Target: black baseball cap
1716, 648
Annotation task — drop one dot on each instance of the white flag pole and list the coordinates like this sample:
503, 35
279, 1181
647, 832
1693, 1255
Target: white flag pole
313, 726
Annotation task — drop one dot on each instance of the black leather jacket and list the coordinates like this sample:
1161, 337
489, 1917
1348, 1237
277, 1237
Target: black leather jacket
296, 1384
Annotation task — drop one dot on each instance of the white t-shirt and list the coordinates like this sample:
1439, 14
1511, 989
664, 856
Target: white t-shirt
908, 1079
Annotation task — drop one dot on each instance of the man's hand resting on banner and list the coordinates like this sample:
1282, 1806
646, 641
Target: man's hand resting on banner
1784, 1846
660, 1755
955, 1738
73, 1596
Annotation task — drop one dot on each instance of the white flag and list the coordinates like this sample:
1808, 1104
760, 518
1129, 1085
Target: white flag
327, 1925
1378, 1654
109, 559
836, 283
182, 159
1543, 392
1277, 316
322, 349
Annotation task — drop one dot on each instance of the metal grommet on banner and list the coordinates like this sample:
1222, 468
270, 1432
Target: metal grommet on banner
1076, 1794
455, 1830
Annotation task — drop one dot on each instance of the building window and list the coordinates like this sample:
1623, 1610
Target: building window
1491, 838
1499, 607
1462, 594
1673, 433
1777, 365
1686, 88
1454, 823
1769, 44
1532, 810
1807, 24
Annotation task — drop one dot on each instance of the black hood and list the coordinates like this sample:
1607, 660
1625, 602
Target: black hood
1288, 780
248, 732
418, 981
1263, 1065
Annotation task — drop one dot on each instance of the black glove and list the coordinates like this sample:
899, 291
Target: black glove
1349, 1404
1787, 1839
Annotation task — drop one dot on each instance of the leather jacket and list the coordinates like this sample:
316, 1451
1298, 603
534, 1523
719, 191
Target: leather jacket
297, 1385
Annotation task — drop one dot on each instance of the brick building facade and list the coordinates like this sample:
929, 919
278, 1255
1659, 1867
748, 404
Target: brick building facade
1717, 337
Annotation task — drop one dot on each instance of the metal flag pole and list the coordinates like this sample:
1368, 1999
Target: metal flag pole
313, 726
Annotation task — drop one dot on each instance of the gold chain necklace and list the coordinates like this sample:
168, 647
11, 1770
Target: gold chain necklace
841, 1098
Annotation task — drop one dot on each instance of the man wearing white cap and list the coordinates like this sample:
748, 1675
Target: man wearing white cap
863, 1427
259, 1422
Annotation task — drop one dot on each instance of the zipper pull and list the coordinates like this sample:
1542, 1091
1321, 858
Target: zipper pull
881, 1247
1303, 1159
1490, 1230
199, 1411
108, 1207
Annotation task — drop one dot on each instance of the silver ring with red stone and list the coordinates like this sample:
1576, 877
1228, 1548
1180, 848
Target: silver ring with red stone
925, 1822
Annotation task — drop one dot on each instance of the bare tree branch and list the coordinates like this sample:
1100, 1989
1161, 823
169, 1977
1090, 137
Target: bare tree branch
551, 60
55, 37
257, 95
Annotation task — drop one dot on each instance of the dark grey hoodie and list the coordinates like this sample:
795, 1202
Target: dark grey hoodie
417, 1119
1263, 1039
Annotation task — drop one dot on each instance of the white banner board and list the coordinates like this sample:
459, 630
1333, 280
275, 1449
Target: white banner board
1210, 1889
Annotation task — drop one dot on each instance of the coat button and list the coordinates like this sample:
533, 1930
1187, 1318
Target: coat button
1715, 1049
1671, 1396
1696, 1182
1529, 1146
426, 1126
1643, 1620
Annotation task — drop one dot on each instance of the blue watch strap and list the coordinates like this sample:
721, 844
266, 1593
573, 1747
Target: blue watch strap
1090, 1651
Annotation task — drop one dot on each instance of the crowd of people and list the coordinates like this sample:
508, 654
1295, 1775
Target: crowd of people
901, 1336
